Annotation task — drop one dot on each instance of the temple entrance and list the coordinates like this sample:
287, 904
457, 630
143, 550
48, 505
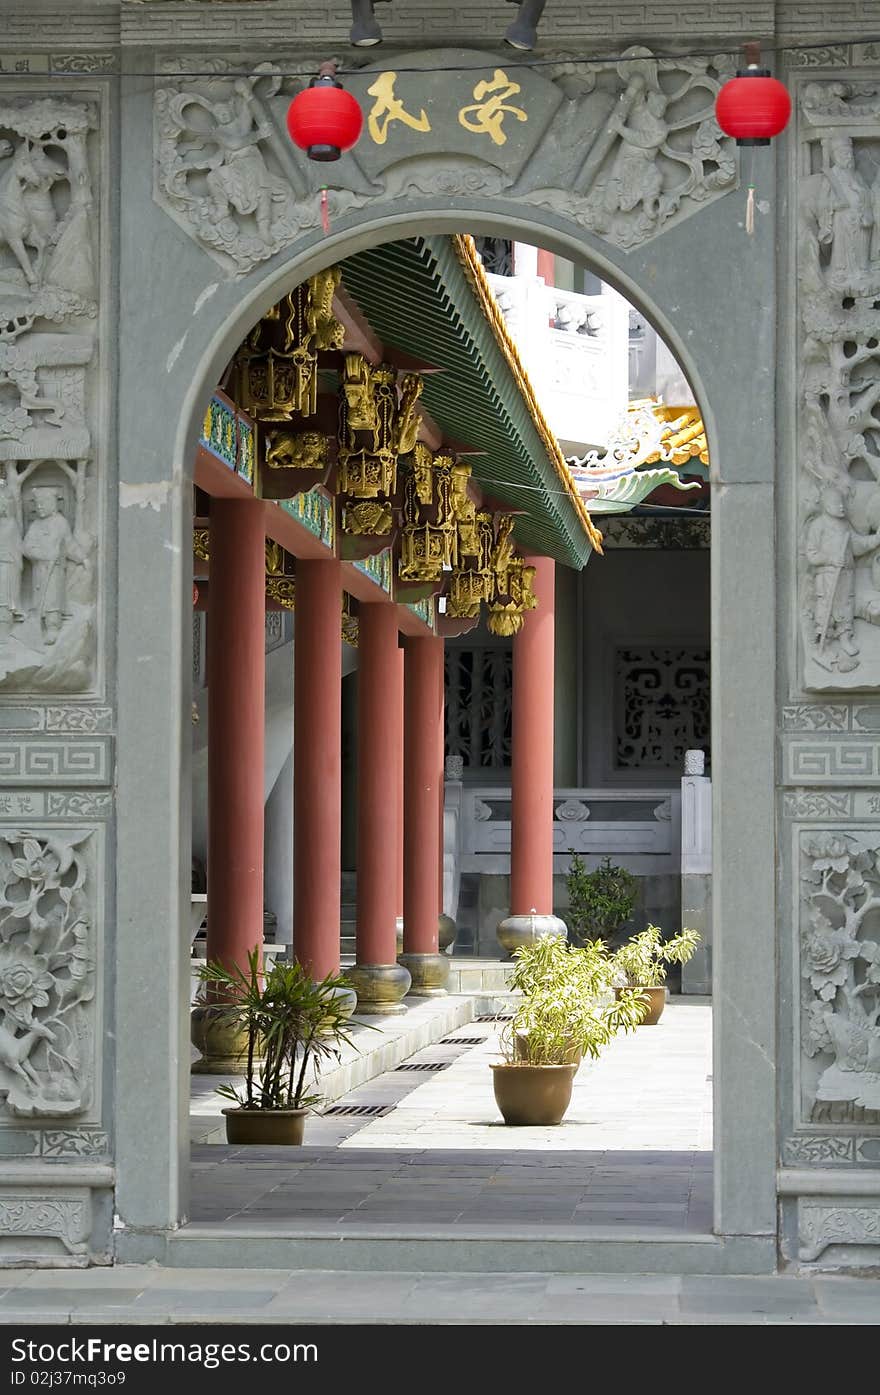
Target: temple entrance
534, 393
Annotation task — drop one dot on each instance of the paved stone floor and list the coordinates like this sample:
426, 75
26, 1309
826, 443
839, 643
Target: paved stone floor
149, 1294
634, 1150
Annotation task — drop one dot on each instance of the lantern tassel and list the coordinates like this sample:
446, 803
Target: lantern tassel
750, 211
325, 209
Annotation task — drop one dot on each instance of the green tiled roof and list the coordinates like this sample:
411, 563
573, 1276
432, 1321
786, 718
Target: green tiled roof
416, 296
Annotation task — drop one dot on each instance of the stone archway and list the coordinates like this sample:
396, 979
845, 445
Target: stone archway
224, 326
183, 304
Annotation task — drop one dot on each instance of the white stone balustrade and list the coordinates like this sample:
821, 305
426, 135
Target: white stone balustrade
575, 349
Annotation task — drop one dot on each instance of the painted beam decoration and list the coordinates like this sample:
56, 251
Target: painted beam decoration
613, 481
625, 149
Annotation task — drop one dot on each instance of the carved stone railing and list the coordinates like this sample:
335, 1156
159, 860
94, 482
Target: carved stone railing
575, 349
640, 829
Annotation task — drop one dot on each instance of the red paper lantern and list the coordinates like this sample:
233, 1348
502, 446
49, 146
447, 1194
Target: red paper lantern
753, 106
324, 119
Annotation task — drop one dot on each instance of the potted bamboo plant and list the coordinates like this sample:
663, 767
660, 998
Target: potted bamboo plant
549, 961
643, 963
561, 1019
291, 1026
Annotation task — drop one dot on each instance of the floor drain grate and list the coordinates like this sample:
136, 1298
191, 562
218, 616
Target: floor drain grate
462, 1041
495, 1017
424, 1065
359, 1111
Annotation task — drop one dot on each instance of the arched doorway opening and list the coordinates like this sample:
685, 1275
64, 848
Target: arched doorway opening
201, 417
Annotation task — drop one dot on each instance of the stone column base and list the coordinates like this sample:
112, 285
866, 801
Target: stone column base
379, 987
223, 1046
518, 930
398, 927
429, 972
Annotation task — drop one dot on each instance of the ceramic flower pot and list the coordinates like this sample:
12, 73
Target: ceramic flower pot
265, 1126
656, 1002
532, 1095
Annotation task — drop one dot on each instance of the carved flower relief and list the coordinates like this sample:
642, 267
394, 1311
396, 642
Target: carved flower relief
25, 982
825, 955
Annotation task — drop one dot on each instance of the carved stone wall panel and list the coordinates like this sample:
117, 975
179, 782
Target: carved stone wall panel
837, 972
822, 762
39, 1228
50, 289
77, 761
838, 432
626, 150
51, 962
838, 1231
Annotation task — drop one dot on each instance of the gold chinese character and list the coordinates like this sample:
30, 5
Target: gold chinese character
388, 107
490, 111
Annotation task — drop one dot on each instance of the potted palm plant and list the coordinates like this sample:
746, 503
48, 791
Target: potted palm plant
560, 1019
643, 963
291, 1026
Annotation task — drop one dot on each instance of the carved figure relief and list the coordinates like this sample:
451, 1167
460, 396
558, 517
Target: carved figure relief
632, 147
47, 338
47, 972
223, 171
839, 425
840, 971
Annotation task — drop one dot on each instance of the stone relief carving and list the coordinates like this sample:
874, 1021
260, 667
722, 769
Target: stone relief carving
62, 1218
47, 971
632, 147
826, 1222
652, 152
47, 336
840, 971
839, 413
224, 170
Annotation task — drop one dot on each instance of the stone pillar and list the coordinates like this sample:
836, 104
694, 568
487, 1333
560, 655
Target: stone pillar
236, 727
422, 803
380, 981
531, 805
317, 766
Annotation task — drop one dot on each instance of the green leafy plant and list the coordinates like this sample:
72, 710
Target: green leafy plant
643, 961
568, 1009
599, 901
291, 1024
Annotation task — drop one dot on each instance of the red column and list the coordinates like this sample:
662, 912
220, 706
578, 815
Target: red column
317, 766
380, 738
398, 781
531, 812
423, 792
236, 720
547, 266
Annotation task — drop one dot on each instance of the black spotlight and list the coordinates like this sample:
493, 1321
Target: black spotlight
365, 31
523, 33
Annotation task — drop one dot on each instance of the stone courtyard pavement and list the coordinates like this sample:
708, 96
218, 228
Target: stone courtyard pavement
633, 1152
150, 1294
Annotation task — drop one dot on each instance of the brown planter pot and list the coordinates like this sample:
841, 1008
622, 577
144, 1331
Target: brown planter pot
265, 1126
532, 1095
573, 1057
656, 1003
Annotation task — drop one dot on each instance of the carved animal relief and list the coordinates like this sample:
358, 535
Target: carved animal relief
840, 968
48, 308
47, 972
839, 420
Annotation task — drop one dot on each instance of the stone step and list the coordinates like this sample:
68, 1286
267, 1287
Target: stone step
436, 1249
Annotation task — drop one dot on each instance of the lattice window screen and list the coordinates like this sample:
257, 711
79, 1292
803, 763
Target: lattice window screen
661, 706
478, 700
